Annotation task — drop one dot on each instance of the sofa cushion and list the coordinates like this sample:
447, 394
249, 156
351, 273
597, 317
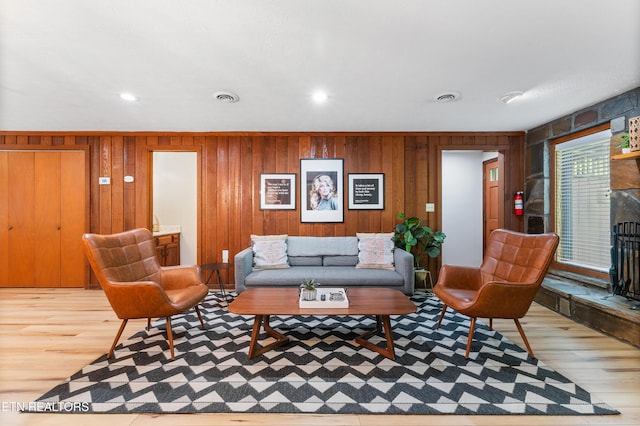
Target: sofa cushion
340, 260
322, 246
375, 250
269, 251
327, 276
305, 260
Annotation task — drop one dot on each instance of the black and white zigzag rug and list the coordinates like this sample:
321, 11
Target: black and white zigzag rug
323, 370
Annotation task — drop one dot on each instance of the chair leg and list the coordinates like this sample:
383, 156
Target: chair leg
444, 310
199, 317
491, 324
170, 337
115, 341
148, 324
472, 328
524, 338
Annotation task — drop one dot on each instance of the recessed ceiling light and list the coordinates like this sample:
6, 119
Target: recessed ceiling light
319, 96
445, 97
130, 97
510, 96
226, 97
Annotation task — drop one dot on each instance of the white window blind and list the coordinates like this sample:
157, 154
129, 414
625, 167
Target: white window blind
582, 201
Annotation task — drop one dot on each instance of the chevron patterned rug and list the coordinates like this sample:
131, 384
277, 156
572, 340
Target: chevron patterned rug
323, 370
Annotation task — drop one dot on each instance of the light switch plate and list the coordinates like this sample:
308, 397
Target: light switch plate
431, 207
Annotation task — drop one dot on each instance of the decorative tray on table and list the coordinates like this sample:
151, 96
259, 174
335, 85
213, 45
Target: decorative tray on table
327, 298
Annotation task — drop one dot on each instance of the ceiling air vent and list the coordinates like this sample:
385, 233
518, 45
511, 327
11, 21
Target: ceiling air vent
447, 97
226, 97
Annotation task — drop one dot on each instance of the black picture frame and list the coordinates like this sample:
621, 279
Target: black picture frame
366, 191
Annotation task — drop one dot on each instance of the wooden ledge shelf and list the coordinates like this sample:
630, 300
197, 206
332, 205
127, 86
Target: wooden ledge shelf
634, 154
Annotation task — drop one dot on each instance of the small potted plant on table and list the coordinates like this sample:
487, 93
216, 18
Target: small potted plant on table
309, 291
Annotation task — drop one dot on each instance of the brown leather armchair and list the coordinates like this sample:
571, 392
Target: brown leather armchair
504, 285
136, 285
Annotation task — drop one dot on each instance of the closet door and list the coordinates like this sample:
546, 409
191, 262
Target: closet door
21, 219
42, 218
4, 218
47, 219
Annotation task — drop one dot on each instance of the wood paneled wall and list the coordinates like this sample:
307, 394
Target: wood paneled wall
229, 176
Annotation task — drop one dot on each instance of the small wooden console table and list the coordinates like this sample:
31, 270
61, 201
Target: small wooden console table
264, 302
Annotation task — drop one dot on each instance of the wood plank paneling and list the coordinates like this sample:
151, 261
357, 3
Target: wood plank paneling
117, 189
231, 164
104, 191
129, 193
73, 271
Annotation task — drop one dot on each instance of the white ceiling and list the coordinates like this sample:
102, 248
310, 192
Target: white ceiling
63, 63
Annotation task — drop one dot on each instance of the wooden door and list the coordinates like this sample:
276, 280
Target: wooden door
42, 216
47, 219
21, 219
4, 218
491, 196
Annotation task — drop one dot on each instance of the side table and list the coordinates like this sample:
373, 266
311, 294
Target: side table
217, 267
421, 276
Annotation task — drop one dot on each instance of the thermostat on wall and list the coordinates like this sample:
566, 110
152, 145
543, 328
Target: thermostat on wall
128, 179
104, 180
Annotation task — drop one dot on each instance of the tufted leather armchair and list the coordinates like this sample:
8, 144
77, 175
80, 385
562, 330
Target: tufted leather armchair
136, 285
504, 285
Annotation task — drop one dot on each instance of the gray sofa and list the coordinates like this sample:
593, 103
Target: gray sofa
331, 261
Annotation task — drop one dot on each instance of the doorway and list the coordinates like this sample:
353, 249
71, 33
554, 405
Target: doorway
174, 204
463, 204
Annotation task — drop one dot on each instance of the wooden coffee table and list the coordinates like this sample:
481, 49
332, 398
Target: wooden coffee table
264, 302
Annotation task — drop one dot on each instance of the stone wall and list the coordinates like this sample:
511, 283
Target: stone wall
625, 174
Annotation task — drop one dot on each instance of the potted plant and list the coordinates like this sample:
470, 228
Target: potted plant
623, 139
417, 239
308, 287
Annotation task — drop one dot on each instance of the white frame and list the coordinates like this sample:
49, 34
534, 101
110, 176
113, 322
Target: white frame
310, 168
265, 203
356, 203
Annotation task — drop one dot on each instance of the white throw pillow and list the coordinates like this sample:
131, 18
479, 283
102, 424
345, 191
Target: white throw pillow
375, 250
269, 251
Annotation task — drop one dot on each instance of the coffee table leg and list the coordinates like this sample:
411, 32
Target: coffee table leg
382, 322
254, 348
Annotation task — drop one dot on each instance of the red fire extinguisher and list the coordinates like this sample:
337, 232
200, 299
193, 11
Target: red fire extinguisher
518, 203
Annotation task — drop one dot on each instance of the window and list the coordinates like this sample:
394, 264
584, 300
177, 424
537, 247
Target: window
582, 201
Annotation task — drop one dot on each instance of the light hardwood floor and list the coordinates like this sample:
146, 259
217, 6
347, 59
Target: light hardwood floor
48, 334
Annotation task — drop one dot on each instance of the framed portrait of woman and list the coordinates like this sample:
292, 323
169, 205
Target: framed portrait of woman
321, 190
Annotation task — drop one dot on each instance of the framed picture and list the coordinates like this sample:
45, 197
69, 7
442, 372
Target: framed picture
366, 191
278, 191
321, 190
